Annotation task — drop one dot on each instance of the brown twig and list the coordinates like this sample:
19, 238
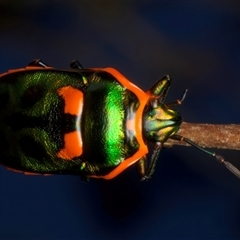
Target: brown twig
210, 135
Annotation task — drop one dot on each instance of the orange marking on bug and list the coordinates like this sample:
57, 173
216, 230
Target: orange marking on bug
72, 147
73, 99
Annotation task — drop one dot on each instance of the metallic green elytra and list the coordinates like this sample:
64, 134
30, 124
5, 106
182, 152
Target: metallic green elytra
88, 122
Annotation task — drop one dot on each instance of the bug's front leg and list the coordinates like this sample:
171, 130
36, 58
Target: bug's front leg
141, 166
160, 89
145, 172
151, 167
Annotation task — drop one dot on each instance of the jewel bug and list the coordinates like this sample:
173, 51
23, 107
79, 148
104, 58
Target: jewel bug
91, 122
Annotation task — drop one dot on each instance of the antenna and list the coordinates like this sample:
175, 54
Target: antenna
228, 165
179, 101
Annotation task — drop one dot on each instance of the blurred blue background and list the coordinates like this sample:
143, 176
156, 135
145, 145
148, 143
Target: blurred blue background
190, 196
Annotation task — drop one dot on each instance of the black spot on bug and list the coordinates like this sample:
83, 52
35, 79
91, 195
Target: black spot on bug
68, 123
4, 99
18, 121
31, 148
31, 96
3, 142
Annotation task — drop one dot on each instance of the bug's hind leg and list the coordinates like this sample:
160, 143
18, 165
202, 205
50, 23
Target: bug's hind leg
76, 65
37, 63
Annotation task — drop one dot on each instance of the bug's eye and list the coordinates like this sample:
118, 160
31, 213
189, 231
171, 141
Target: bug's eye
151, 114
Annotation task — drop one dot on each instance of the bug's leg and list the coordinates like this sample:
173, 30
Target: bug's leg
85, 179
151, 167
228, 165
76, 65
141, 165
178, 101
160, 89
37, 63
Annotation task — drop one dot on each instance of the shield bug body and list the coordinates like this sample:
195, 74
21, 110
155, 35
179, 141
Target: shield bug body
87, 122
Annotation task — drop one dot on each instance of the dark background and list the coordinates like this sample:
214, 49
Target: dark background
190, 196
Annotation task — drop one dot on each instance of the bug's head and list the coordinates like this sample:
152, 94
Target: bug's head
159, 120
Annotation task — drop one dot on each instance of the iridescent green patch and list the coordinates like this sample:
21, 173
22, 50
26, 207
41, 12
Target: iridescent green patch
102, 122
